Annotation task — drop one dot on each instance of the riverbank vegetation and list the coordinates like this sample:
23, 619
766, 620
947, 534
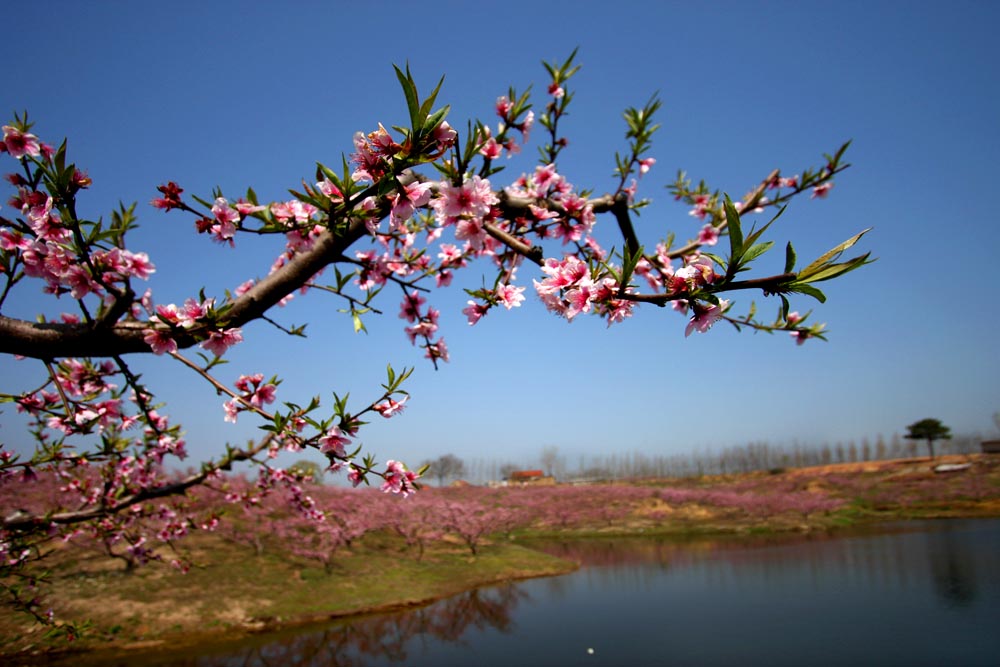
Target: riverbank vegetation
254, 564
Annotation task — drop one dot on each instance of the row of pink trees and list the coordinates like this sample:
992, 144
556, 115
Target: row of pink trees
408, 210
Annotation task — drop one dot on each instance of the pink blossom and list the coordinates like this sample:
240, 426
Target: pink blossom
332, 192
192, 311
510, 296
491, 150
232, 409
793, 317
264, 394
709, 235
443, 278
409, 310
159, 341
445, 136
555, 90
406, 202
645, 165
780, 182
390, 407
503, 106
702, 206
398, 479
355, 476
19, 143
578, 300
525, 125
281, 211
471, 230
473, 198
244, 287
223, 213
437, 351
245, 208
220, 341
138, 264
475, 311
423, 329
171, 196
333, 442
821, 190
13, 240
450, 255
704, 318
545, 176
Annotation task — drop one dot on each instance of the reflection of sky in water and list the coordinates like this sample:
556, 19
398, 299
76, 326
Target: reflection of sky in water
927, 597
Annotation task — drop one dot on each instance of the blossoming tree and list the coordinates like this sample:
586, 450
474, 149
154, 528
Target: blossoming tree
410, 208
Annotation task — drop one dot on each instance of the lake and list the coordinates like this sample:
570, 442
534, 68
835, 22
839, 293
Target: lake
925, 593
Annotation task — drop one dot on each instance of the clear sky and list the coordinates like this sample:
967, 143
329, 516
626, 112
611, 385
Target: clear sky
237, 94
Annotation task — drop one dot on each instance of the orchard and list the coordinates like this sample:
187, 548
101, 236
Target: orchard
401, 217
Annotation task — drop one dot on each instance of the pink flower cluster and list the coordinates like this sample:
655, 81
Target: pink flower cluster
570, 290
576, 219
193, 314
425, 326
398, 479
48, 253
466, 206
254, 392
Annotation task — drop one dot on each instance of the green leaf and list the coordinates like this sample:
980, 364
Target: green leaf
789, 258
831, 254
410, 91
834, 270
436, 118
735, 232
629, 262
756, 251
428, 104
808, 290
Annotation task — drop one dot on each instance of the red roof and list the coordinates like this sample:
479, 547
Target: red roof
526, 474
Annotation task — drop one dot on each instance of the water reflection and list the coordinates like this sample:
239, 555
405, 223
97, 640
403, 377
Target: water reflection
386, 638
953, 569
924, 594
928, 551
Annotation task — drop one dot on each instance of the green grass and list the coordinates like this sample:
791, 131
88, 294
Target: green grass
230, 591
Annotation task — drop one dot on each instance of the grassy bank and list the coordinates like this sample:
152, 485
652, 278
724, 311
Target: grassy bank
230, 592
252, 579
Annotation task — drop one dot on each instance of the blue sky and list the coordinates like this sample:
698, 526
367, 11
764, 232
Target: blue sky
252, 94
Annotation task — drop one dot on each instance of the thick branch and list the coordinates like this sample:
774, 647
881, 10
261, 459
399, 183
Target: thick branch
53, 340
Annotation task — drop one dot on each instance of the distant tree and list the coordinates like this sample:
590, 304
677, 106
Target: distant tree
506, 470
929, 430
550, 459
446, 467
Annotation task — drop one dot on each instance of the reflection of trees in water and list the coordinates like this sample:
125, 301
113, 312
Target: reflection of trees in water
952, 568
383, 637
888, 560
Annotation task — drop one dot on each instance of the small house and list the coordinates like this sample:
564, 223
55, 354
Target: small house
532, 477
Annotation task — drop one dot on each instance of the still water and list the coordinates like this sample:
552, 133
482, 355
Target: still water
919, 594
